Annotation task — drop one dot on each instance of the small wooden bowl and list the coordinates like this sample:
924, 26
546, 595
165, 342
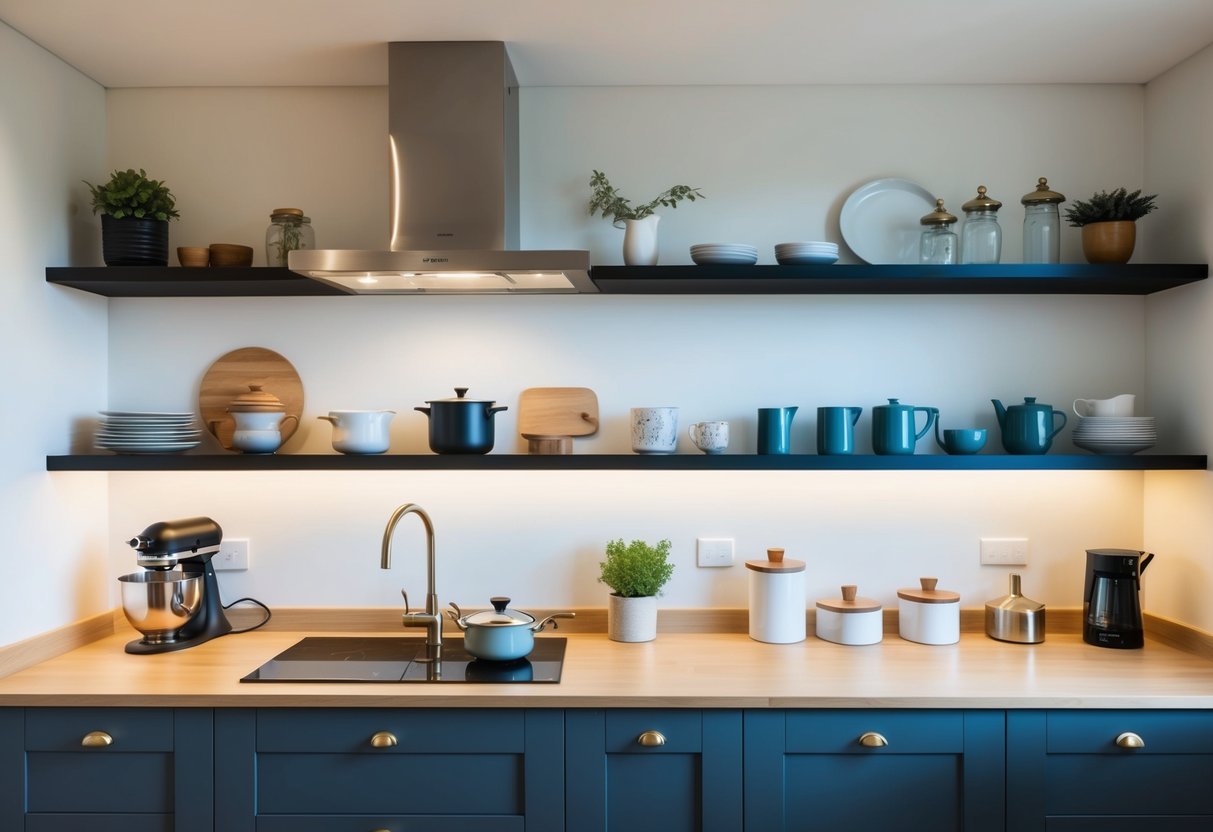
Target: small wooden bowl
193, 256
229, 254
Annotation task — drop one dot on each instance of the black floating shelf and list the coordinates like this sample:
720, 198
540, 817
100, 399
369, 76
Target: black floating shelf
623, 462
1009, 278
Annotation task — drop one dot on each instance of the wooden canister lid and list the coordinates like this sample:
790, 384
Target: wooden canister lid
775, 563
849, 602
928, 594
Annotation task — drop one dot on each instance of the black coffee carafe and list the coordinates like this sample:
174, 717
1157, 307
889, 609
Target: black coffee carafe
1111, 611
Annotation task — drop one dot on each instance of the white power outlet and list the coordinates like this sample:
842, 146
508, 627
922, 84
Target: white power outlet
232, 555
1004, 551
714, 551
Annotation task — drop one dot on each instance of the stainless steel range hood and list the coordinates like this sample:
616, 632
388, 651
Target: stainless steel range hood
453, 144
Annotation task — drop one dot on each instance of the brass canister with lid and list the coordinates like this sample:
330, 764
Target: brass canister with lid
1015, 618
937, 245
1042, 224
981, 235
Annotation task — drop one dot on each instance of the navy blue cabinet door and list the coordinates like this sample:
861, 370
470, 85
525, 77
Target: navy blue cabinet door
1111, 770
653, 771
907, 770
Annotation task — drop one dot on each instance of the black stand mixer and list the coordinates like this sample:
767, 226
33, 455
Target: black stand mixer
175, 608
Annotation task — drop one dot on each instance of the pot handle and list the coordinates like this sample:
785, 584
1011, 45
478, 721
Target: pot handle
424, 410
489, 411
538, 628
1144, 563
456, 615
328, 419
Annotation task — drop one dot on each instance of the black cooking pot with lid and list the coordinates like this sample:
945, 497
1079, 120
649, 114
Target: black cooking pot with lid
461, 425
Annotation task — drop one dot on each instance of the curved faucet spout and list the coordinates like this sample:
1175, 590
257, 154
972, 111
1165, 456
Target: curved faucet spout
431, 619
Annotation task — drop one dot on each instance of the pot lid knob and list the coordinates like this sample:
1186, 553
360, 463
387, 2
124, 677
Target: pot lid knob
461, 392
499, 602
929, 584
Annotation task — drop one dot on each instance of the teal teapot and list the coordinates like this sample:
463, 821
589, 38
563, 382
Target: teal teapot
1028, 428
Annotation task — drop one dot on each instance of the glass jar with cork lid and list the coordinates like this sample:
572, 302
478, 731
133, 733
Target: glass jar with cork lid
289, 230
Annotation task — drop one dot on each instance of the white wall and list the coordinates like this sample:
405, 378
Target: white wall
53, 340
1179, 374
776, 164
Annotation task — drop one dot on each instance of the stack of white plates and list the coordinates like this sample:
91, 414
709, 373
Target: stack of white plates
1115, 434
805, 254
140, 432
724, 254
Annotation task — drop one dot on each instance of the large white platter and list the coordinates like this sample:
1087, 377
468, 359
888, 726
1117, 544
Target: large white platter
879, 220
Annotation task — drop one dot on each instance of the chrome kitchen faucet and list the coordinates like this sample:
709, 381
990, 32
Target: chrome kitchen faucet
431, 619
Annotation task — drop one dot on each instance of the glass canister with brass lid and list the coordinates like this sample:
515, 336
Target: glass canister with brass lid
981, 235
1042, 224
289, 230
937, 245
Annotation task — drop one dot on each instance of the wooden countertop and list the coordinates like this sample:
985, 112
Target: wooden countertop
726, 670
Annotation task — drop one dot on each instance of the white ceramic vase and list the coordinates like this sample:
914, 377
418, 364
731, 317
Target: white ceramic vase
640, 241
632, 619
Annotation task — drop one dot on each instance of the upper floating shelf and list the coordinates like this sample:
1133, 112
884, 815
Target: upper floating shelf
1002, 279
624, 462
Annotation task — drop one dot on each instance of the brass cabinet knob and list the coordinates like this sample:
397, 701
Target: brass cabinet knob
96, 739
383, 739
651, 739
872, 740
1130, 740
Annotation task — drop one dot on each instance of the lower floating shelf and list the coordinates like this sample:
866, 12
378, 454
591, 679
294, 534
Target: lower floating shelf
623, 462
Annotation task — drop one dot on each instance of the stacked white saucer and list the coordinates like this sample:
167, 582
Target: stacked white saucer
806, 254
724, 254
1115, 434
141, 432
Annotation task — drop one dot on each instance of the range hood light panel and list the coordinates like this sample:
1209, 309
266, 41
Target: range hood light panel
438, 282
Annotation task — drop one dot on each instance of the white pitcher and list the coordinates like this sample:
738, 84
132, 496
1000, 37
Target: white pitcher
360, 431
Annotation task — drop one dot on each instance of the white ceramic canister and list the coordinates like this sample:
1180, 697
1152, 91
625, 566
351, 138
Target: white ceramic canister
777, 602
850, 620
928, 615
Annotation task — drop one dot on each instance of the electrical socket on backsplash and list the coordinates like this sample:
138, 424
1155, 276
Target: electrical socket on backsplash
714, 551
233, 555
1004, 551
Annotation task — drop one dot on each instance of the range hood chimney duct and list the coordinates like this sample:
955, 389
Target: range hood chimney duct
453, 145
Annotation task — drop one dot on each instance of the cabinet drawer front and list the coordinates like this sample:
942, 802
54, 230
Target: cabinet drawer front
1152, 823
99, 823
897, 792
452, 731
396, 784
368, 823
75, 782
907, 732
1155, 784
132, 729
682, 730
1095, 732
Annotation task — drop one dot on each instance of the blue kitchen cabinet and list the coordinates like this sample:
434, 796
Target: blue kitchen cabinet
653, 770
106, 770
399, 770
1109, 770
874, 769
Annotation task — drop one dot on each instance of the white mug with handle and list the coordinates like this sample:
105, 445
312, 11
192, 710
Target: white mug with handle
710, 437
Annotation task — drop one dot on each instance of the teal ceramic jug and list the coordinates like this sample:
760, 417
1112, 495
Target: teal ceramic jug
1028, 428
893, 427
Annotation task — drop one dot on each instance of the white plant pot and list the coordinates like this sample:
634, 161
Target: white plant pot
640, 241
632, 619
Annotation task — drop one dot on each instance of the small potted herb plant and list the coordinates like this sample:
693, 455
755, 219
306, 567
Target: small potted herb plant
635, 572
1109, 223
135, 212
639, 222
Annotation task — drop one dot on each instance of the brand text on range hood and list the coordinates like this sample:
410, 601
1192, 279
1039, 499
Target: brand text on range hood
453, 144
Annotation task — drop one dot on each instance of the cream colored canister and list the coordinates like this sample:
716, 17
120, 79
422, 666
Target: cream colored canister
928, 615
777, 599
849, 619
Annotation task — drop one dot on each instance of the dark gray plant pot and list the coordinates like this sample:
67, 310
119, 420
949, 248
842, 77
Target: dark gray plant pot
134, 242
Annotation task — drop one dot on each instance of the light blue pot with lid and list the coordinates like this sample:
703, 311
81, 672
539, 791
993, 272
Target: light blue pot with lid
501, 634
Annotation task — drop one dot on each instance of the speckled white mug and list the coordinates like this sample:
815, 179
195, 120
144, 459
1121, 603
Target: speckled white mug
710, 437
654, 430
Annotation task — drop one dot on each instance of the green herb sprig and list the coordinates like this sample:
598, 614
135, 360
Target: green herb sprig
608, 201
636, 569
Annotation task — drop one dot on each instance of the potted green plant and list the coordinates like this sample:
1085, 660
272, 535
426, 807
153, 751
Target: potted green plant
639, 222
635, 572
135, 212
1109, 223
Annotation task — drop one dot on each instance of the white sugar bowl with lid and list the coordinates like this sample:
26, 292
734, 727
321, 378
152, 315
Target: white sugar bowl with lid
928, 615
849, 619
777, 599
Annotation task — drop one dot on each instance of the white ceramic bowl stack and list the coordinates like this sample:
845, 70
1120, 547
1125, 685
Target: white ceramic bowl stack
1115, 434
139, 432
806, 254
724, 254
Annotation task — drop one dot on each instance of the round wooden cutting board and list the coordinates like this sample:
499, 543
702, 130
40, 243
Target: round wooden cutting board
231, 375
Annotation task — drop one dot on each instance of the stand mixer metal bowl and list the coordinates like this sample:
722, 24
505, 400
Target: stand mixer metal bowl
159, 604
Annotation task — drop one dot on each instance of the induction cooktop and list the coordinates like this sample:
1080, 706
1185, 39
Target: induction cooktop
401, 659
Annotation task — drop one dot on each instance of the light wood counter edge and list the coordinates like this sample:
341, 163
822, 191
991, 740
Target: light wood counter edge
37, 649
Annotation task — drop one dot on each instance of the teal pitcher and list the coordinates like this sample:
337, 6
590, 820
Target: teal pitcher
1028, 428
893, 427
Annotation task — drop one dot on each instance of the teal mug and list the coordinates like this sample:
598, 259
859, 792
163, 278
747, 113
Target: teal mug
836, 430
775, 430
966, 441
893, 427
